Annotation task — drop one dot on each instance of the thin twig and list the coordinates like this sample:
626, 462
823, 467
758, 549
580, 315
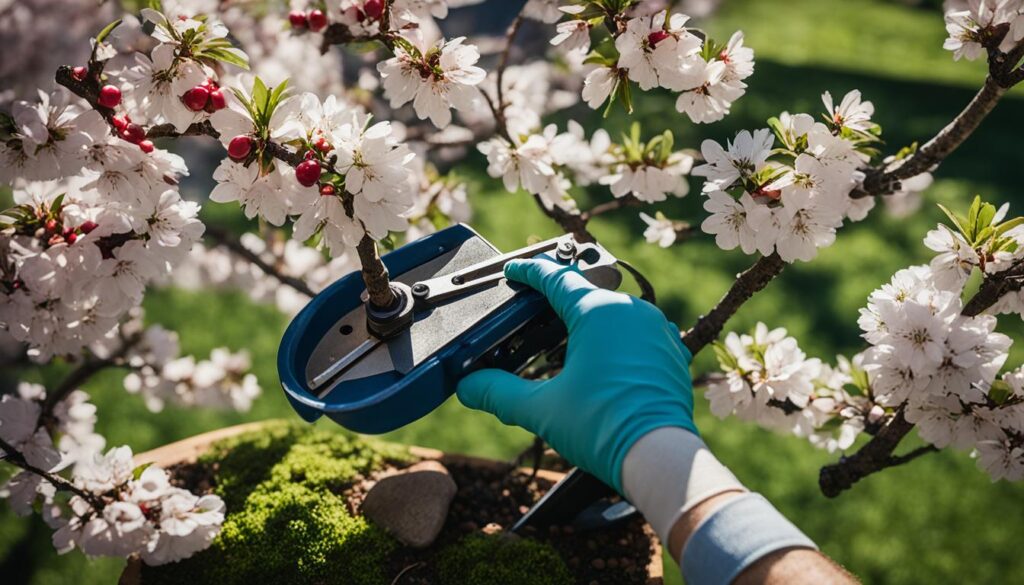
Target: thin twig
229, 241
17, 459
411, 567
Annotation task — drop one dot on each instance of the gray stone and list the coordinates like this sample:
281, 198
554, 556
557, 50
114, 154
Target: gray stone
412, 504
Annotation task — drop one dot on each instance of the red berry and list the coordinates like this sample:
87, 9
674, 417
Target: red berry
133, 133
323, 146
240, 147
120, 122
209, 84
656, 37
217, 100
79, 73
374, 9
51, 225
88, 226
310, 155
195, 99
71, 238
327, 190
67, 231
110, 96
298, 19
308, 173
317, 20
146, 146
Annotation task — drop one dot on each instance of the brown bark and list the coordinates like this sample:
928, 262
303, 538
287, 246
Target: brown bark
749, 283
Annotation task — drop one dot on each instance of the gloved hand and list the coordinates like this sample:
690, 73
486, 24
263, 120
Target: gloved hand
626, 373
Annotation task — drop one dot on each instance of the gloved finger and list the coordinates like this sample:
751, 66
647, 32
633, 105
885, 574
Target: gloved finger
563, 286
500, 393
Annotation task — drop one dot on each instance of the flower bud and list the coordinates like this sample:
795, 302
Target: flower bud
110, 96
240, 147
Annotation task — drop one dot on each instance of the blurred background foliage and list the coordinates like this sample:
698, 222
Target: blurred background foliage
937, 520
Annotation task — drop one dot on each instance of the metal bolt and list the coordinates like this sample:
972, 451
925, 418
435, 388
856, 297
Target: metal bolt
566, 252
420, 290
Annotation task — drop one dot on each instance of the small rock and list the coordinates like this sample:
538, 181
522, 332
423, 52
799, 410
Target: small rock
492, 529
597, 564
412, 505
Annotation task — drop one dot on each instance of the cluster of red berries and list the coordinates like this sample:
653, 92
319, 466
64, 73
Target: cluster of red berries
132, 132
315, 20
59, 235
207, 96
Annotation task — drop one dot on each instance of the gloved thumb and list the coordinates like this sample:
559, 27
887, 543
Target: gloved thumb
500, 393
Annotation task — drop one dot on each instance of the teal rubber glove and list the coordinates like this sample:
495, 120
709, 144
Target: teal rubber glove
626, 374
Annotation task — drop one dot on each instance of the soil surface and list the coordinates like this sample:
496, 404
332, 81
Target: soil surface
489, 500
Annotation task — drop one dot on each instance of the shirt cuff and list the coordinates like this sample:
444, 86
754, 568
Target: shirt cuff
669, 471
734, 537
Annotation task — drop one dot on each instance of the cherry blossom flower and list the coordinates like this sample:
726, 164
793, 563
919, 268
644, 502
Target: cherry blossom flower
742, 158
851, 112
50, 139
660, 230
435, 78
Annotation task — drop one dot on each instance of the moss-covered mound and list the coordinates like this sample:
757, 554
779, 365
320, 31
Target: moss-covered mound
287, 521
487, 560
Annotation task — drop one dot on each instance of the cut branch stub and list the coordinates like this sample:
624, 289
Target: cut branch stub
375, 275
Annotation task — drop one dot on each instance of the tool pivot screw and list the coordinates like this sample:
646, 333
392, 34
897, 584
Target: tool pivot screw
420, 290
566, 251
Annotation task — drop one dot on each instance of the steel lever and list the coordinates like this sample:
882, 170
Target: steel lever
489, 272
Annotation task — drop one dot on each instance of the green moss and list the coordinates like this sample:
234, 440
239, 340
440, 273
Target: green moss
485, 560
286, 522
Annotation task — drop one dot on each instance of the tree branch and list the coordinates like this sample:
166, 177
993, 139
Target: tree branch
1003, 75
929, 156
229, 241
17, 459
708, 327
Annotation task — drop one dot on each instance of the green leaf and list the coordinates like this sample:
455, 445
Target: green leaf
107, 30
57, 203
1000, 392
957, 222
986, 215
229, 56
156, 5
972, 217
611, 98
626, 97
1009, 225
137, 472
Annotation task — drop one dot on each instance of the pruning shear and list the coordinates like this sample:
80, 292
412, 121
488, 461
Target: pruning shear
375, 370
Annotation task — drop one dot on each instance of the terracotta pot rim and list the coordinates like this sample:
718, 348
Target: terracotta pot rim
188, 451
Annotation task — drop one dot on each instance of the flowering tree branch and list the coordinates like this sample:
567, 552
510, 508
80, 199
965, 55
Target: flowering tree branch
1004, 73
17, 459
375, 274
877, 454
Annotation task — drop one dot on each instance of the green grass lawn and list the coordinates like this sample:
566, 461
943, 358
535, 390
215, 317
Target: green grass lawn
937, 520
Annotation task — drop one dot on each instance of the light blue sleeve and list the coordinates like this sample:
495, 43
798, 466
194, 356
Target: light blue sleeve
734, 537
